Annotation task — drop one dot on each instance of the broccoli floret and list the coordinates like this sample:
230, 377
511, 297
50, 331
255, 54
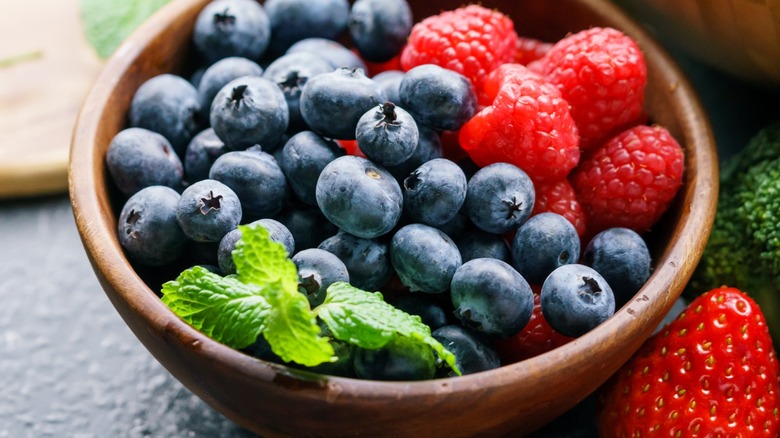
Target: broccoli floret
744, 246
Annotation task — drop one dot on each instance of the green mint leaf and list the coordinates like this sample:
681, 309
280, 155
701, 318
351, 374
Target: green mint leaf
108, 22
223, 308
366, 320
291, 327
261, 261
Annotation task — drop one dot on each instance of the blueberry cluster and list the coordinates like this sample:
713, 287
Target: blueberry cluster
253, 138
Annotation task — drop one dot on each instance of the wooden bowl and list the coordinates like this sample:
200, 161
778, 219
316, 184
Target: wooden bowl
274, 400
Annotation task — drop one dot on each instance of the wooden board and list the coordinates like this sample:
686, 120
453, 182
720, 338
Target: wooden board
41, 93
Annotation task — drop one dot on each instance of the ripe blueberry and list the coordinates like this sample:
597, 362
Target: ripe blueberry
424, 258
542, 244
575, 299
359, 197
490, 297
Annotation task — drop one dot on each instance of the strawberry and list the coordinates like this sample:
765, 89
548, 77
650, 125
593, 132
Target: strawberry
711, 372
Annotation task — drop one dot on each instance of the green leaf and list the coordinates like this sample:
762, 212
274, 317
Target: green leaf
223, 308
108, 22
291, 328
366, 320
261, 261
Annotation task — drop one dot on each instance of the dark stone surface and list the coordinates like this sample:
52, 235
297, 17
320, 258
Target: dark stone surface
70, 367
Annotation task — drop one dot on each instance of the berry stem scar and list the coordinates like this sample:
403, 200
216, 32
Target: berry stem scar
210, 203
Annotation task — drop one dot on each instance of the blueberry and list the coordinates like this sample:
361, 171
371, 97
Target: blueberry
428, 147
208, 210
387, 135
295, 20
490, 297
302, 159
359, 197
399, 359
367, 260
457, 226
336, 54
248, 111
196, 76
276, 232
437, 97
390, 82
307, 224
201, 153
424, 258
499, 198
169, 105
621, 256
139, 158
472, 353
317, 270
227, 28
257, 180
426, 306
332, 103
478, 244
220, 73
575, 299
379, 28
290, 73
148, 229
279, 233
542, 244
434, 192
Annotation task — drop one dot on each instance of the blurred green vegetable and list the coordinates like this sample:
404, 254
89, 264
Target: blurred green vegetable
108, 22
743, 250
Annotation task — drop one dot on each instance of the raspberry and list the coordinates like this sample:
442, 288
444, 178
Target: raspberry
530, 49
602, 73
536, 338
528, 124
471, 40
630, 180
351, 147
559, 197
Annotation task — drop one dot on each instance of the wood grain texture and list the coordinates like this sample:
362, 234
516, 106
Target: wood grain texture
41, 95
277, 401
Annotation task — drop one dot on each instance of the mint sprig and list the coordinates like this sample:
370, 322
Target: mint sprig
366, 320
221, 307
263, 299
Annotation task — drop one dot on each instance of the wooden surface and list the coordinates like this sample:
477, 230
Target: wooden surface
276, 401
41, 93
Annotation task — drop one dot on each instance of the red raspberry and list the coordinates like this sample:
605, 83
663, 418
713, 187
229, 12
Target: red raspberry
630, 180
471, 40
602, 73
530, 49
536, 338
559, 197
528, 124
351, 147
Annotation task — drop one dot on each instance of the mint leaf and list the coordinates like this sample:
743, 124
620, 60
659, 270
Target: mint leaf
108, 22
223, 308
260, 260
291, 328
366, 320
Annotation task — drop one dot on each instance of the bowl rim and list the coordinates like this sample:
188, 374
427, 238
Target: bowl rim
673, 267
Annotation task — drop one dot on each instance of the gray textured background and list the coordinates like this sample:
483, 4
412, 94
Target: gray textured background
69, 367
